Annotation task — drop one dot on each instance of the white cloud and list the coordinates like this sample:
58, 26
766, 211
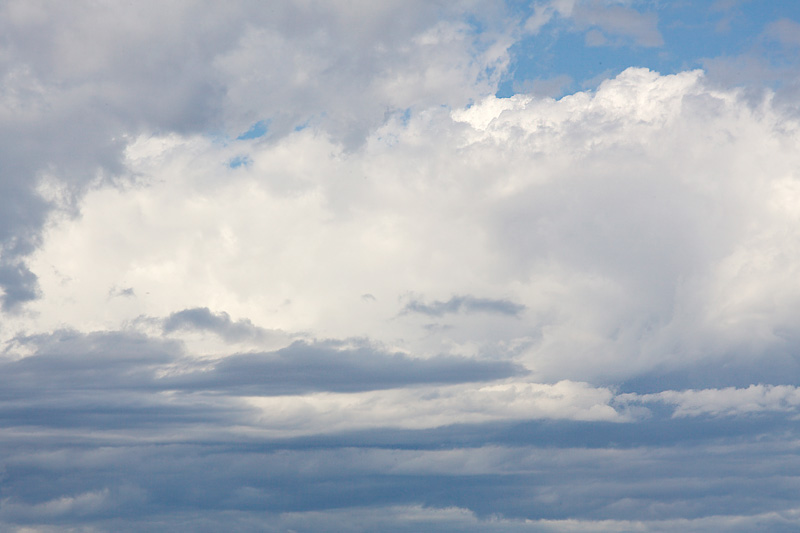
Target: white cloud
641, 226
431, 407
726, 402
80, 80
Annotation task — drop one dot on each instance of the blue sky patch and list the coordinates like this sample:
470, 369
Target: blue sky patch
239, 161
598, 40
259, 129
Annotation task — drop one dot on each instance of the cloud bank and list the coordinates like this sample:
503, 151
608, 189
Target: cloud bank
286, 267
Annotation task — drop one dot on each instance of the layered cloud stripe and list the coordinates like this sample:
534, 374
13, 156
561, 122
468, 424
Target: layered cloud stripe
399, 266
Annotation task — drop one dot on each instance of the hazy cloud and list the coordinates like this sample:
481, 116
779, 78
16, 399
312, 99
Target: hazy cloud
786, 31
618, 20
465, 304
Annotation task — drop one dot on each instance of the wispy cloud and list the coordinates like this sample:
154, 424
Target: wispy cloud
618, 21
464, 304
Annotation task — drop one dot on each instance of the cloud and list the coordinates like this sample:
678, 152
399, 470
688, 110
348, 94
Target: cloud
612, 269
104, 429
300, 486
767, 62
66, 71
95, 69
786, 31
68, 361
202, 319
550, 87
608, 23
544, 12
611, 222
617, 20
19, 284
466, 304
407, 519
627, 259
729, 401
428, 407
303, 367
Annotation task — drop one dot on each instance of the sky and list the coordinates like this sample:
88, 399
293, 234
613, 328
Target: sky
399, 266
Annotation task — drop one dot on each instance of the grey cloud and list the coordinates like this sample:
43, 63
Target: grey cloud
618, 20
786, 31
99, 380
202, 319
777, 367
70, 363
76, 81
80, 80
304, 367
369, 55
93, 439
18, 282
118, 431
550, 87
173, 478
464, 304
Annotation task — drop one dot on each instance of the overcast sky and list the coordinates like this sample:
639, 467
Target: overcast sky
355, 265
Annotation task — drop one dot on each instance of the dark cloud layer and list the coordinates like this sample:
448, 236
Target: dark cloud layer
93, 481
100, 431
776, 368
67, 363
304, 367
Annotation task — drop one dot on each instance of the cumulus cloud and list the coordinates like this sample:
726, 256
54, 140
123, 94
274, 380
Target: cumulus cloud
225, 232
95, 69
627, 260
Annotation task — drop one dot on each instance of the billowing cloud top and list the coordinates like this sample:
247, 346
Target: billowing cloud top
358, 266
